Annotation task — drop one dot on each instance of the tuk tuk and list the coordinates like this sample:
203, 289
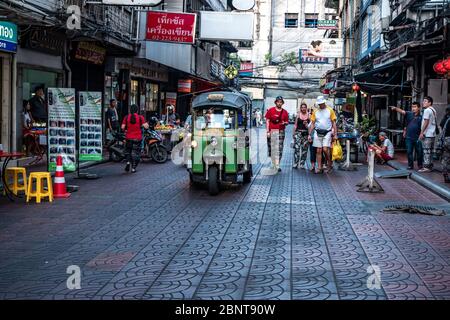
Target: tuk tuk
220, 140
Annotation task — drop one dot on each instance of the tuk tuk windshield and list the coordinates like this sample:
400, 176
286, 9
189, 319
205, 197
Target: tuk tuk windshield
215, 118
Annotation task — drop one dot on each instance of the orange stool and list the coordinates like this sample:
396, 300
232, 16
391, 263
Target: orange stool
39, 193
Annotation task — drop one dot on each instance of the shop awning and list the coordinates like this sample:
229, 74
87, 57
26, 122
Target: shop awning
381, 80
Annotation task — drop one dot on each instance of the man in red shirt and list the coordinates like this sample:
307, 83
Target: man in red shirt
133, 124
276, 120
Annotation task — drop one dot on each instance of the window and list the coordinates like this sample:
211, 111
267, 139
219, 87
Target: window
291, 20
311, 20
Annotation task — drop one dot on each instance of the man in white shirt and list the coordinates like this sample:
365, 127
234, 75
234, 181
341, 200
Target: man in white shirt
428, 133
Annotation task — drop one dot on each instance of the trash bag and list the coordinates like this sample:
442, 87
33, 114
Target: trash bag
337, 154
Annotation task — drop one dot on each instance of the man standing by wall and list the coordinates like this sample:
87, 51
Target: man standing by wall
428, 133
38, 106
112, 118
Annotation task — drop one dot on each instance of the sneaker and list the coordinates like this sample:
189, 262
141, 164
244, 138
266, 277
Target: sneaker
127, 167
410, 168
133, 170
295, 166
424, 170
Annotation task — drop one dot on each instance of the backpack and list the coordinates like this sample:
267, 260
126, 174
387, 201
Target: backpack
435, 121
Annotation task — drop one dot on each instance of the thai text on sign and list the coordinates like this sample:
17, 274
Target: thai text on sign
171, 27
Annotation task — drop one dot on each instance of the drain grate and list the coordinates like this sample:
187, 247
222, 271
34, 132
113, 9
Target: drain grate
414, 209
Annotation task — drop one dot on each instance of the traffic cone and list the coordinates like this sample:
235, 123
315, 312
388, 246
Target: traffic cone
59, 187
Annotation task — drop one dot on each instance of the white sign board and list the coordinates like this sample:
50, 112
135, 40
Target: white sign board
149, 3
231, 26
326, 48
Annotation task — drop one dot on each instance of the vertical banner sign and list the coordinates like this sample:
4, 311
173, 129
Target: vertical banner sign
61, 125
90, 119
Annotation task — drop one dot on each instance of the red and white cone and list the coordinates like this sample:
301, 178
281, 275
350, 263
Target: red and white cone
59, 186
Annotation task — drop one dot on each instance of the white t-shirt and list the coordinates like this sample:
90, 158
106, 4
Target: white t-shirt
390, 147
431, 130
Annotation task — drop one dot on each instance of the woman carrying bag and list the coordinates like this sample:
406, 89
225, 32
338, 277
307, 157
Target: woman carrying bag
132, 125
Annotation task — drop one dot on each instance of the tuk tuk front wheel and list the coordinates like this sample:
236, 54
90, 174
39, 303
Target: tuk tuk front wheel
213, 180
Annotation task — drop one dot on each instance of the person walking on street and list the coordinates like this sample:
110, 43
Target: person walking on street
258, 115
132, 125
276, 120
445, 125
411, 133
428, 133
300, 136
322, 132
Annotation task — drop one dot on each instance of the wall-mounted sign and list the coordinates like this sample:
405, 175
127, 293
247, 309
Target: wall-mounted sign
147, 3
8, 36
237, 26
90, 52
44, 40
185, 86
246, 69
171, 27
305, 57
327, 24
326, 48
242, 5
141, 69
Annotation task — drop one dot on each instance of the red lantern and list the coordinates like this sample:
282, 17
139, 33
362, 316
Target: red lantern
438, 67
446, 64
326, 91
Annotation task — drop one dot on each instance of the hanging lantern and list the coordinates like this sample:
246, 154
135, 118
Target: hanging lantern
438, 67
326, 91
355, 87
446, 64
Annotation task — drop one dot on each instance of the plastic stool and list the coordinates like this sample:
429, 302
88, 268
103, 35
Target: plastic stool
13, 173
39, 193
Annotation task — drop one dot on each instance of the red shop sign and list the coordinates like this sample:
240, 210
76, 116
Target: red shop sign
171, 27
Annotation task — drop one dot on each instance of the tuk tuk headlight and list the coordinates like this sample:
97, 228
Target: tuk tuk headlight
213, 141
194, 144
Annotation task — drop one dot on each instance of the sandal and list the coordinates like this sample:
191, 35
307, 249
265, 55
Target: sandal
318, 171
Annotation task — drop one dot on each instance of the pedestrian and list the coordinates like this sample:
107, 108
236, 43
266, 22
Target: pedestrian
428, 133
132, 125
258, 115
276, 120
300, 136
172, 118
322, 132
445, 125
38, 105
385, 152
112, 117
411, 133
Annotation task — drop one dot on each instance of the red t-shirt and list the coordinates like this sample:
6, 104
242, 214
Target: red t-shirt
276, 118
134, 131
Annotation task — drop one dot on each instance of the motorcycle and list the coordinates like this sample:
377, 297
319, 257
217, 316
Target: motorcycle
116, 147
153, 147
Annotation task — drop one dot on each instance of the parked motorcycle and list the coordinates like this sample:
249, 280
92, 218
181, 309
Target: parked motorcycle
116, 147
153, 147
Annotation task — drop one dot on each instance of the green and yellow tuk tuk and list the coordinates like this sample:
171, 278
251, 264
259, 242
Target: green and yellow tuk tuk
220, 141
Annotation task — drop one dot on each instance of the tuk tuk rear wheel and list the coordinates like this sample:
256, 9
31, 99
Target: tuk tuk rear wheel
247, 176
213, 181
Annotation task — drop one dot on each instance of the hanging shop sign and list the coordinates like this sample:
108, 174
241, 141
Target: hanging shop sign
90, 52
61, 128
242, 5
171, 27
171, 99
246, 69
231, 72
43, 40
147, 3
8, 37
326, 48
306, 57
140, 69
327, 24
90, 124
185, 85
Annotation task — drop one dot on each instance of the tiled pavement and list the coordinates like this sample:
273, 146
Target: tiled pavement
295, 235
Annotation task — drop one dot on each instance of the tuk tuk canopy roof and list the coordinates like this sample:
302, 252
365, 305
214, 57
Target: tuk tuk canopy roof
234, 100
